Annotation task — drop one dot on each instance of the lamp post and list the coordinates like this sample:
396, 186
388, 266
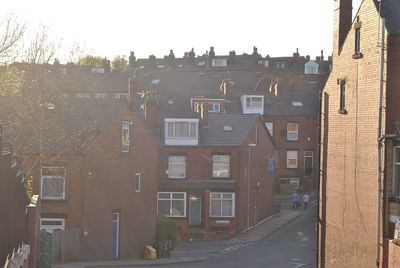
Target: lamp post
248, 185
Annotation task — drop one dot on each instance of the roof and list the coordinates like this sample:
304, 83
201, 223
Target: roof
214, 133
391, 11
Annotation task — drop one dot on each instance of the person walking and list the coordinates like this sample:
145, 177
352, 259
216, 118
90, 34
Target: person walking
306, 200
295, 200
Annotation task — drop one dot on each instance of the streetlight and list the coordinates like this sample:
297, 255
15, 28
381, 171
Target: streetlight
248, 185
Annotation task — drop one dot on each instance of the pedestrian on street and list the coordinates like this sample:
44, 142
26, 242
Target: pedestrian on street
306, 200
295, 200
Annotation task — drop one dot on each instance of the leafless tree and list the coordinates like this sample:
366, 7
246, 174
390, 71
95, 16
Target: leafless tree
42, 48
12, 31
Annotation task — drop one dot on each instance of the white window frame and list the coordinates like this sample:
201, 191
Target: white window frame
270, 127
290, 155
138, 182
221, 199
48, 177
190, 131
51, 228
216, 158
220, 62
125, 136
396, 174
177, 165
101, 95
251, 101
214, 107
171, 199
292, 135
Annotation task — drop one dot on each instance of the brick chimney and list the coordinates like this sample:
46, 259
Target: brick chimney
204, 114
133, 89
342, 23
151, 110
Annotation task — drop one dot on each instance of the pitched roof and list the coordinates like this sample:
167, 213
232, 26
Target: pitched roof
214, 133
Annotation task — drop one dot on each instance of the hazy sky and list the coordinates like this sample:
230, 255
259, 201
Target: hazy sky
110, 28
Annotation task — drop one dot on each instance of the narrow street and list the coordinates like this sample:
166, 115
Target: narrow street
291, 246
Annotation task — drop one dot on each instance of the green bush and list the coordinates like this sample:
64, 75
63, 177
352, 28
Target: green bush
166, 235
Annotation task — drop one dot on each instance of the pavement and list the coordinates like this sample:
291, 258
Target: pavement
188, 251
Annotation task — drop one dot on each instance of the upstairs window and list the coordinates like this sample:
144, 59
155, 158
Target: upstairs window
176, 167
270, 127
220, 62
221, 166
53, 182
214, 107
292, 131
125, 136
357, 40
254, 102
342, 98
138, 182
396, 171
181, 130
291, 159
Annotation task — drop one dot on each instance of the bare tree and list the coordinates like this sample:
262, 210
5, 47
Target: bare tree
42, 47
12, 31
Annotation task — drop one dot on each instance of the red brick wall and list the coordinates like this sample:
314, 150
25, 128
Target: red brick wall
349, 158
308, 141
71, 207
199, 167
112, 187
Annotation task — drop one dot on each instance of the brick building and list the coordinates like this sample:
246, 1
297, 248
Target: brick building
220, 183
354, 226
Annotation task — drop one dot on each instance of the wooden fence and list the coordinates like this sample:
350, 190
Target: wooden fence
66, 244
13, 202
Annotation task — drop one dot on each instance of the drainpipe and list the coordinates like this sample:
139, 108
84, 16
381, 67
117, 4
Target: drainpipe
380, 140
319, 176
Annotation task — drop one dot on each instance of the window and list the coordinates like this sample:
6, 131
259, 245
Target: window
254, 102
280, 65
221, 166
214, 107
292, 132
181, 129
342, 100
270, 127
396, 171
176, 167
291, 159
172, 204
138, 182
222, 204
357, 41
125, 136
121, 96
51, 224
100, 95
295, 182
220, 62
53, 182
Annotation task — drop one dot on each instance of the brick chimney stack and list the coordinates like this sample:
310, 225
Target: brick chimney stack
133, 89
151, 110
342, 23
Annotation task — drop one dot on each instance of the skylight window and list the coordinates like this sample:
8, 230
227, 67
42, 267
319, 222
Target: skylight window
297, 103
227, 128
155, 81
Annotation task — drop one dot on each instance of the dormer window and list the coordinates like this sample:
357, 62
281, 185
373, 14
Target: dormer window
220, 62
280, 65
252, 104
181, 131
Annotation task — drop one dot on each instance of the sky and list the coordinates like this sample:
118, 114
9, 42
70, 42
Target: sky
110, 28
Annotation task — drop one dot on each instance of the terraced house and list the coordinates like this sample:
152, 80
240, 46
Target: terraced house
359, 197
